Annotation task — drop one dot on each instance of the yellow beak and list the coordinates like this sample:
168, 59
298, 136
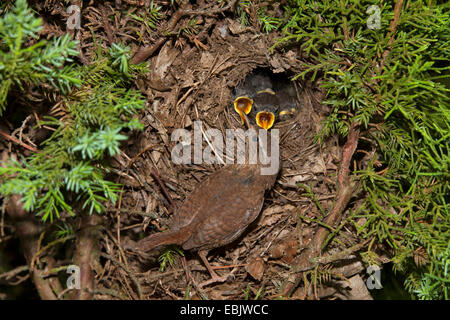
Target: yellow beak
265, 119
287, 112
243, 105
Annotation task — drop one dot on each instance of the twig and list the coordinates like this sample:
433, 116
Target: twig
345, 191
15, 140
347, 154
154, 174
141, 213
2, 222
166, 193
311, 194
342, 254
55, 270
12, 273
86, 255
229, 266
144, 52
119, 247
29, 230
20, 280
109, 34
62, 293
130, 274
212, 148
393, 28
209, 12
51, 244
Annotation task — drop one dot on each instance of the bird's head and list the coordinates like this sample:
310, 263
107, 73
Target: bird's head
257, 103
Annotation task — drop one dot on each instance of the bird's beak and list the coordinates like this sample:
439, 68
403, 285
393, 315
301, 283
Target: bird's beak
265, 119
287, 112
268, 90
243, 106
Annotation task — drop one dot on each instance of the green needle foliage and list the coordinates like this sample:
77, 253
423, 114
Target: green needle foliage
149, 18
266, 22
71, 165
37, 63
72, 160
397, 91
168, 256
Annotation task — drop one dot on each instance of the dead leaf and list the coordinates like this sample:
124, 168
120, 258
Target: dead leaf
277, 251
163, 61
255, 268
273, 214
206, 60
271, 220
235, 26
285, 250
291, 57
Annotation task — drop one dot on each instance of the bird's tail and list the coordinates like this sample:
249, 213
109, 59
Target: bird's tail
160, 239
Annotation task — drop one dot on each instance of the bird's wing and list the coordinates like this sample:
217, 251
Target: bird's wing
230, 205
191, 205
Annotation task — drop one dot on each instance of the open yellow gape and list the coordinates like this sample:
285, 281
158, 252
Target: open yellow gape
243, 105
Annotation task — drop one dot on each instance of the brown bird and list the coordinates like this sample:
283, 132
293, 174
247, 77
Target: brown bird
221, 207
217, 212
